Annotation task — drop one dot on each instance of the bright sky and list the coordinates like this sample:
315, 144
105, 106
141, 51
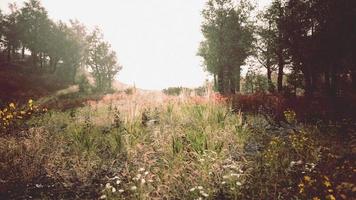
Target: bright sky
156, 40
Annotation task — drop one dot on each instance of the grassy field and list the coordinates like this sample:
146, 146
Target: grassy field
151, 146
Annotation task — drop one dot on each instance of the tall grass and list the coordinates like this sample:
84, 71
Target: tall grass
191, 151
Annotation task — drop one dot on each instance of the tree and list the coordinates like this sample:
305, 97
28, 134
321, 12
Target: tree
102, 61
255, 82
321, 36
34, 24
265, 46
274, 35
11, 31
228, 42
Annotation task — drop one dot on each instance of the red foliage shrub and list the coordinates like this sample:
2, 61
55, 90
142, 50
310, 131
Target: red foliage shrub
306, 109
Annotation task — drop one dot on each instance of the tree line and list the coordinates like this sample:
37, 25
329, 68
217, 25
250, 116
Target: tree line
55, 46
312, 43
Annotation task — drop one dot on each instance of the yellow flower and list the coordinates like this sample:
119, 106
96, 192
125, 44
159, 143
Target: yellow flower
316, 198
23, 112
327, 183
330, 197
326, 178
30, 101
12, 105
307, 178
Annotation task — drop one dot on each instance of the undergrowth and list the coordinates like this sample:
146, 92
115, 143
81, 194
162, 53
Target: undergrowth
178, 150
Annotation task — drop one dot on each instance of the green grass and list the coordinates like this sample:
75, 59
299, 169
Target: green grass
194, 151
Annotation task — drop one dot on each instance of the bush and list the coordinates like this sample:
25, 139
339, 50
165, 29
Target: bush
307, 109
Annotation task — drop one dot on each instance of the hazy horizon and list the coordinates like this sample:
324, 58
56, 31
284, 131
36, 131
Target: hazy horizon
156, 41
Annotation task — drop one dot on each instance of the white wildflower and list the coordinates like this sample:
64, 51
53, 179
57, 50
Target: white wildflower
238, 183
150, 181
223, 183
133, 188
121, 191
138, 176
108, 186
204, 194
146, 172
143, 181
103, 196
200, 187
225, 177
115, 177
192, 189
118, 182
141, 169
113, 190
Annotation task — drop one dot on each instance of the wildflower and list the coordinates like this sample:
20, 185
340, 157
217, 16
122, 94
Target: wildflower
307, 178
204, 194
113, 190
225, 177
192, 189
330, 197
108, 186
238, 183
327, 183
133, 188
146, 172
141, 169
223, 183
143, 181
150, 181
121, 191
103, 196
138, 176
200, 187
118, 182
316, 198
12, 105
301, 188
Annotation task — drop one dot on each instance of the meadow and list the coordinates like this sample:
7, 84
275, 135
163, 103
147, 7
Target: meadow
144, 145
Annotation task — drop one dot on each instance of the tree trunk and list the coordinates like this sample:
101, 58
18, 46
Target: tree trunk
9, 54
237, 76
226, 80
269, 79
215, 82
308, 83
23, 52
327, 81
333, 82
34, 58
13, 52
233, 83
221, 81
280, 73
